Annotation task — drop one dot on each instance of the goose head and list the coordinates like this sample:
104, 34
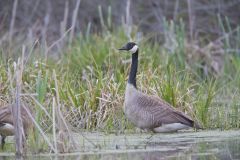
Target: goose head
131, 47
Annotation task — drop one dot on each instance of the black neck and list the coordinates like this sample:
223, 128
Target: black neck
133, 71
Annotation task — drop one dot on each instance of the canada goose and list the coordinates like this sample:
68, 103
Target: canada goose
150, 112
6, 122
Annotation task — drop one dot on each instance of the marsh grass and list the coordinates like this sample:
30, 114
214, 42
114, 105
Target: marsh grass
91, 76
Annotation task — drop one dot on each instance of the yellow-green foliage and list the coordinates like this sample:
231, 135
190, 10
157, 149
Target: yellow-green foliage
92, 74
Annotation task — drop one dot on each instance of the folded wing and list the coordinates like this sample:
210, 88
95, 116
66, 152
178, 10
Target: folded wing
161, 112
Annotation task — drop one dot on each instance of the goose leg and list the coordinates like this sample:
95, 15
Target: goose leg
124, 125
3, 141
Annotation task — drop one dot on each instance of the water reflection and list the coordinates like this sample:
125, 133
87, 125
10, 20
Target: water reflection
159, 147
204, 150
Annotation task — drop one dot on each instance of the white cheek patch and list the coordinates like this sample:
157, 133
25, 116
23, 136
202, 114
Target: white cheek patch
134, 49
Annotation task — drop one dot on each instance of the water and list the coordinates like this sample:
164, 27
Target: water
184, 145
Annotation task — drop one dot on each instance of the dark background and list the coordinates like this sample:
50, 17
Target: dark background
43, 18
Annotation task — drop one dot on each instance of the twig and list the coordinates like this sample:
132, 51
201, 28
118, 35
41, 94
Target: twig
74, 19
60, 116
58, 41
40, 105
128, 26
54, 124
157, 10
16, 109
64, 21
176, 6
101, 17
191, 18
13, 20
39, 128
223, 37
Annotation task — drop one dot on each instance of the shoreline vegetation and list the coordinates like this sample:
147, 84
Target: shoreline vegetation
77, 84
87, 83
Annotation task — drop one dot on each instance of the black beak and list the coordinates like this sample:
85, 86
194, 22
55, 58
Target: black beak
124, 48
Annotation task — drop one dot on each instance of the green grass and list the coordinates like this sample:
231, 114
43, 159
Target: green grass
92, 75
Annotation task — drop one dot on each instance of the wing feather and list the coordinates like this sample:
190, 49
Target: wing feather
161, 112
5, 114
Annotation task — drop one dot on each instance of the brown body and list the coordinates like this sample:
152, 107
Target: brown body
152, 113
6, 122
